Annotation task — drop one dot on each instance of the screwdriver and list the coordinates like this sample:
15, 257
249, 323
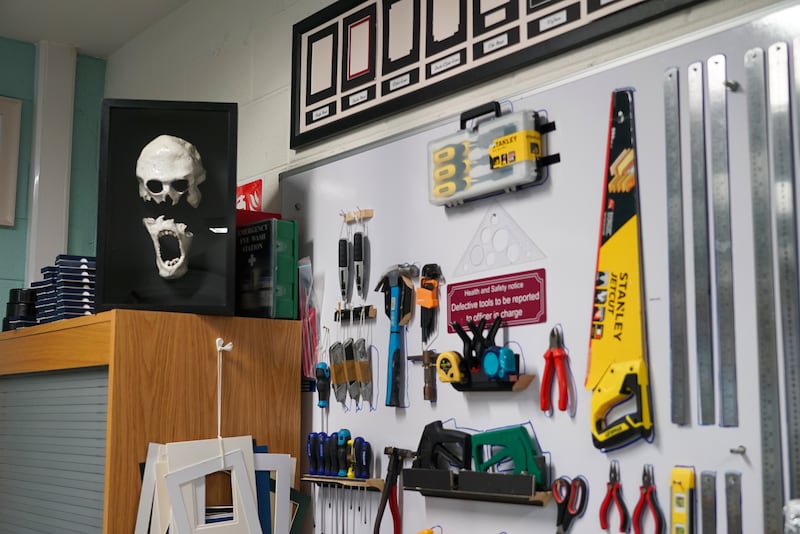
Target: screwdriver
359, 246
331, 465
312, 448
351, 457
323, 374
363, 458
342, 438
344, 264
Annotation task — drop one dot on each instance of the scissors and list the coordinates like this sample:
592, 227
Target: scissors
571, 497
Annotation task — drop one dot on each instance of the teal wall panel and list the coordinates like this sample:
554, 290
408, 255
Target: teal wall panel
17, 80
90, 74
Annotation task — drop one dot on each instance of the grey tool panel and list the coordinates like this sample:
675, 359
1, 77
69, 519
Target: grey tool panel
723, 244
702, 270
708, 502
679, 349
733, 502
766, 326
780, 139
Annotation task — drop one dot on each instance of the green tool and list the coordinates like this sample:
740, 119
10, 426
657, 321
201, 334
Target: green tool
513, 444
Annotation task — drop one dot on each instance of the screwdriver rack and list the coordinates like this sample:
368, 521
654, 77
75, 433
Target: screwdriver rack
370, 484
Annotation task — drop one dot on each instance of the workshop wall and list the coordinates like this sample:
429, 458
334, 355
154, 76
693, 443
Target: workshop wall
559, 223
18, 63
239, 51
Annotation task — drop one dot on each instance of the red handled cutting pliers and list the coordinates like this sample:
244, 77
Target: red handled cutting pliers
648, 499
556, 362
614, 494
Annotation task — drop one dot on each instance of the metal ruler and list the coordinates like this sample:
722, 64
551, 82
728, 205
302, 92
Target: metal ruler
708, 502
679, 350
720, 187
768, 379
702, 276
733, 501
780, 136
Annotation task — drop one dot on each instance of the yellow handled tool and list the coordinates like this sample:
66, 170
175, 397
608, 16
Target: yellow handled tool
683, 496
617, 372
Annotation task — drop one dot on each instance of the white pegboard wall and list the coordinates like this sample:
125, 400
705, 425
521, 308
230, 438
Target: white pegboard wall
561, 218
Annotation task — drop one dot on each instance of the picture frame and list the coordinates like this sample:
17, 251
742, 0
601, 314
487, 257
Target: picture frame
10, 121
343, 77
166, 225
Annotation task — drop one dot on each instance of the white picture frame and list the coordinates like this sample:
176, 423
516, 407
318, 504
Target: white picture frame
10, 120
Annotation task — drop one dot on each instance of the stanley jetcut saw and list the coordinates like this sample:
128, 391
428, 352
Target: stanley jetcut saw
617, 371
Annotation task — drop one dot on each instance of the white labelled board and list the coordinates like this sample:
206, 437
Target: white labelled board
562, 218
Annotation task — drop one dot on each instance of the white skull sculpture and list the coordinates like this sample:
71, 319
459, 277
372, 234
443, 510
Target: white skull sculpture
171, 242
169, 167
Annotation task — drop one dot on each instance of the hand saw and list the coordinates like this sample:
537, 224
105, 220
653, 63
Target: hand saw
617, 368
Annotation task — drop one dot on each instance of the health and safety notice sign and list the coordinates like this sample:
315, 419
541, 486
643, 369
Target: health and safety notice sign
517, 298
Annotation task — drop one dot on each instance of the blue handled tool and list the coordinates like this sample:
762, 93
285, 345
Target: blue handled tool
398, 293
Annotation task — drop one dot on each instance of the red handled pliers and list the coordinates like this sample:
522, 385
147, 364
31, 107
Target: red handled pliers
648, 499
556, 362
614, 494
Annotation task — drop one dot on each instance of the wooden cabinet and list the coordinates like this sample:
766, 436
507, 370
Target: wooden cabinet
162, 384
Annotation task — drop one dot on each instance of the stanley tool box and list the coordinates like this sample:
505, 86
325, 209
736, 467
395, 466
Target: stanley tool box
501, 154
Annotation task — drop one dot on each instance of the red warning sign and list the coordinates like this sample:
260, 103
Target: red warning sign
517, 298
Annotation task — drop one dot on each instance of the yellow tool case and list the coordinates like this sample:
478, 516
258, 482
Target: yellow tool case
501, 154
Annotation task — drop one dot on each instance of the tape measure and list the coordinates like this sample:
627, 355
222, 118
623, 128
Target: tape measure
448, 367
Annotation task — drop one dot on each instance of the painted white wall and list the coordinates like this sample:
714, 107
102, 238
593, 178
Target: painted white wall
240, 51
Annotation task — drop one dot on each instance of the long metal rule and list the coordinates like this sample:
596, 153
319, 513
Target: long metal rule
723, 255
708, 502
768, 379
733, 501
702, 275
679, 349
780, 138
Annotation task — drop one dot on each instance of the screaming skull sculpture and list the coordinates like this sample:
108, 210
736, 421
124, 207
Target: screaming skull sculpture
169, 166
171, 242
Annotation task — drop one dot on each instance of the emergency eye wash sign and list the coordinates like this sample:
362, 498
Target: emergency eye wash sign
517, 298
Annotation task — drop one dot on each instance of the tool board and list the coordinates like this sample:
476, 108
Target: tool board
556, 226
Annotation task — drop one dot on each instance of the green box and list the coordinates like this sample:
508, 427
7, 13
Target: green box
266, 269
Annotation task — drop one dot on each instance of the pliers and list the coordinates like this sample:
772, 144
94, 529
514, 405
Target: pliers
648, 499
556, 362
614, 494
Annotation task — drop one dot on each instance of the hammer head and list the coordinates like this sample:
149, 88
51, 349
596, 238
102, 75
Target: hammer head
391, 277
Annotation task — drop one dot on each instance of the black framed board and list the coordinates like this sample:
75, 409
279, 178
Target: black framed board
166, 214
359, 60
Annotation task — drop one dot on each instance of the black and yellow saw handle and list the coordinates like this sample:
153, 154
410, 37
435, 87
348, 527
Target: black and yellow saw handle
621, 382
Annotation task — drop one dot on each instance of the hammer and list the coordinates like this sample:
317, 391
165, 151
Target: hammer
398, 298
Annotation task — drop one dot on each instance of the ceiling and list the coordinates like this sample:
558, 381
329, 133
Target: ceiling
96, 27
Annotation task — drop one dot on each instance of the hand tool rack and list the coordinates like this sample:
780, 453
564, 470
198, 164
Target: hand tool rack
370, 484
495, 487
